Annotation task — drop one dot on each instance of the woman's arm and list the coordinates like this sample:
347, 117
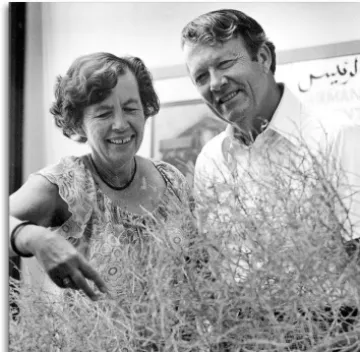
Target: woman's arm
38, 201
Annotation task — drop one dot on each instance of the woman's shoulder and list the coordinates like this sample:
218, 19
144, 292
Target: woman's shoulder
72, 177
65, 164
76, 188
177, 181
170, 172
66, 171
167, 167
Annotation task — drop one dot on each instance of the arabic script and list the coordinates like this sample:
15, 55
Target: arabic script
341, 75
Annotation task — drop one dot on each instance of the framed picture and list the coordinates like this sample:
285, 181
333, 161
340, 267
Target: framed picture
180, 131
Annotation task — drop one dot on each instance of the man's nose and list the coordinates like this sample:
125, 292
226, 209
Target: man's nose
217, 81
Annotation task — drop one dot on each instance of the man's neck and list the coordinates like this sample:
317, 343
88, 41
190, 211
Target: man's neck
260, 124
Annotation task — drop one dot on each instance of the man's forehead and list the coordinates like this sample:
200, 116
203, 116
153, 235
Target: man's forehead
197, 55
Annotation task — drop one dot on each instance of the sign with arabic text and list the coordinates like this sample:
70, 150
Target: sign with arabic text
332, 82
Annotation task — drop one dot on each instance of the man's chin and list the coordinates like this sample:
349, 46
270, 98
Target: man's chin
234, 118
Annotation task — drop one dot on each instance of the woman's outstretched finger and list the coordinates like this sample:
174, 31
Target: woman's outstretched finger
80, 282
92, 275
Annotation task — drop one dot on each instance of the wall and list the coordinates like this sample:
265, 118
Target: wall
59, 32
34, 124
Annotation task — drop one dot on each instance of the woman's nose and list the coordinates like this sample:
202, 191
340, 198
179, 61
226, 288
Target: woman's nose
119, 121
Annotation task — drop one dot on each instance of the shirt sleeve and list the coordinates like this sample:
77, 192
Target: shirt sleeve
213, 188
203, 174
346, 152
213, 180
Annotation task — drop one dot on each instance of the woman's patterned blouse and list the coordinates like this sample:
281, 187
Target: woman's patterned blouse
113, 239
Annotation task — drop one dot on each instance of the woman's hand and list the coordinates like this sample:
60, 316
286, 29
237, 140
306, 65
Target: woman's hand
63, 263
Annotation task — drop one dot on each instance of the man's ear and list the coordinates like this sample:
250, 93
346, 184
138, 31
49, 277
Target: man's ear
264, 58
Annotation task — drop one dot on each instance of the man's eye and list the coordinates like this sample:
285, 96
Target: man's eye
201, 79
226, 64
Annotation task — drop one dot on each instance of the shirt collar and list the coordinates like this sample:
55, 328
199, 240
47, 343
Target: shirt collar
286, 119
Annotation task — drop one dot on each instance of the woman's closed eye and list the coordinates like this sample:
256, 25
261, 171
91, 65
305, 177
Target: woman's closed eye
104, 115
130, 109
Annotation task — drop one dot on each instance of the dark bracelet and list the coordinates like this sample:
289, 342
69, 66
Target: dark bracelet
13, 235
352, 247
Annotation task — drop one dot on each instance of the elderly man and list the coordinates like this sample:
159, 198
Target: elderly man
273, 148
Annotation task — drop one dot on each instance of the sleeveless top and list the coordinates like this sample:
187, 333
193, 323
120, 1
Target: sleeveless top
111, 238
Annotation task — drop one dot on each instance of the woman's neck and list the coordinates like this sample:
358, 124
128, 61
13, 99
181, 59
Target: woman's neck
115, 177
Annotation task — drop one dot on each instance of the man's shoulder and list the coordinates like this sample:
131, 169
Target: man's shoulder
211, 158
308, 116
323, 126
330, 121
212, 148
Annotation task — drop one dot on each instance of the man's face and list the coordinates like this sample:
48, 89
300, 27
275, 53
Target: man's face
233, 85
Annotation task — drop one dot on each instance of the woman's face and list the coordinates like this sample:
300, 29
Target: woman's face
115, 127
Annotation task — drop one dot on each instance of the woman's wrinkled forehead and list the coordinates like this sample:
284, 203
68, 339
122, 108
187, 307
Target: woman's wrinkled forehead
124, 93
102, 83
127, 77
126, 87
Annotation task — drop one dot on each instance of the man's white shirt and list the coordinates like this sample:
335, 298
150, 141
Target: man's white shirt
228, 172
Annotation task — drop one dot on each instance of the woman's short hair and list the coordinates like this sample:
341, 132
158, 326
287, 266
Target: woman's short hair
222, 25
90, 80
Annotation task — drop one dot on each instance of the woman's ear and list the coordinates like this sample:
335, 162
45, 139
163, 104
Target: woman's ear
77, 138
78, 135
264, 58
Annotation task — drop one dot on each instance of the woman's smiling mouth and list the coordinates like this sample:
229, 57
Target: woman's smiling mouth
119, 141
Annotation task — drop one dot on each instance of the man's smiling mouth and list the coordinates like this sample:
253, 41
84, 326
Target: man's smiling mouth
228, 97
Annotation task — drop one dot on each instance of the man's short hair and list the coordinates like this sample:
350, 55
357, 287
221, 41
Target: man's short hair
222, 25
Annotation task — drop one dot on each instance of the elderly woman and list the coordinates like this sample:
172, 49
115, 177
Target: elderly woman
76, 216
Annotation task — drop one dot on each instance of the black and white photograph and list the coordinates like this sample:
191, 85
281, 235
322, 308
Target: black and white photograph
183, 177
